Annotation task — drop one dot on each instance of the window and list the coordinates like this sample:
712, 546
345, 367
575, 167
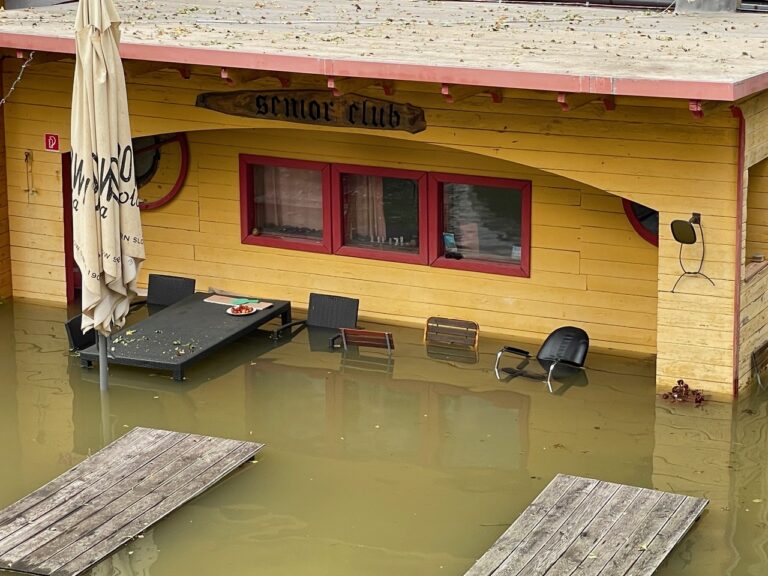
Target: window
644, 220
380, 213
480, 224
285, 203
445, 220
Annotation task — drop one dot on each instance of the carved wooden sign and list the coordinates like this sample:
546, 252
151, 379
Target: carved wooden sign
315, 107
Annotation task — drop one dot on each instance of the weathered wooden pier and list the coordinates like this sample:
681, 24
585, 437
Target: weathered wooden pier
584, 527
80, 517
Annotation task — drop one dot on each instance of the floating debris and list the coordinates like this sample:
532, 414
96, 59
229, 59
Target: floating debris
681, 392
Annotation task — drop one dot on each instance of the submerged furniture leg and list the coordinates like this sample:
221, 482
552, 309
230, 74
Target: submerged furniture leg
549, 376
178, 374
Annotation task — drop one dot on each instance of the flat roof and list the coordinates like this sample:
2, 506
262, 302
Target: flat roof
716, 56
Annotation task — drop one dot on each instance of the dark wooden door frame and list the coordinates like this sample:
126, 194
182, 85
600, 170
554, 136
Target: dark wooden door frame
69, 257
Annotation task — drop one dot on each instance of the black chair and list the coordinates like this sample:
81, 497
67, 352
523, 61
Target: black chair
325, 315
166, 290
562, 356
78, 340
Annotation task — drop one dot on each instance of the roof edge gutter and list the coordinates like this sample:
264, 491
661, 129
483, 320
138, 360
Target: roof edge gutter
599, 85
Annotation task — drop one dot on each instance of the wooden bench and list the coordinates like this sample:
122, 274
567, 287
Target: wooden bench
451, 332
759, 362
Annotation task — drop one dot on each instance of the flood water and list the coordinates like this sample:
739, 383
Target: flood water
411, 470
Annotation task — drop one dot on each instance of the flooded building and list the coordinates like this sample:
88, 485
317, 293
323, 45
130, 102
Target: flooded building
516, 165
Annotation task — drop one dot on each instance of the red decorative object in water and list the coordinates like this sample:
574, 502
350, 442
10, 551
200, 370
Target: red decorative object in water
684, 393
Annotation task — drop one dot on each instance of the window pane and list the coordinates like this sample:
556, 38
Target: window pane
484, 221
381, 213
288, 202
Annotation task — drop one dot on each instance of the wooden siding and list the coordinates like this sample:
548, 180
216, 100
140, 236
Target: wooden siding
757, 211
5, 242
754, 321
588, 266
753, 303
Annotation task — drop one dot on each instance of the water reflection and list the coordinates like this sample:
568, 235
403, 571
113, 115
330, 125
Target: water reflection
413, 468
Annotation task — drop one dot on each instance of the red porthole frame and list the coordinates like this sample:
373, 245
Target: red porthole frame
642, 231
181, 138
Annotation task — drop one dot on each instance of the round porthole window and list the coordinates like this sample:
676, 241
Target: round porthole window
146, 152
644, 220
157, 159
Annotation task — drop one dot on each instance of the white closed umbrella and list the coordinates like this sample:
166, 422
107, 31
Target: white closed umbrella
108, 242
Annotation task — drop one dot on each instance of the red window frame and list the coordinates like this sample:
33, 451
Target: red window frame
421, 257
642, 231
247, 208
436, 249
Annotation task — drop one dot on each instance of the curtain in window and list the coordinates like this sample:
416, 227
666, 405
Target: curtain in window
290, 197
364, 215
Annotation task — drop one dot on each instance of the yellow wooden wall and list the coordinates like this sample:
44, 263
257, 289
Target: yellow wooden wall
588, 266
753, 301
5, 245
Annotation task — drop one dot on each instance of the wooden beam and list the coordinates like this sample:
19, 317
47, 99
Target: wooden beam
42, 57
700, 107
569, 101
388, 86
136, 68
341, 86
454, 93
237, 76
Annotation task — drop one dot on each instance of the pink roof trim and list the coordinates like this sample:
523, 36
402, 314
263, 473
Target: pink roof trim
654, 88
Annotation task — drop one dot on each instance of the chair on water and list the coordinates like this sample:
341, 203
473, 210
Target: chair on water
164, 290
326, 314
350, 340
77, 340
562, 356
451, 339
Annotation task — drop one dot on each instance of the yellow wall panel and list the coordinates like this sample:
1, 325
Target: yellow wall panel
588, 266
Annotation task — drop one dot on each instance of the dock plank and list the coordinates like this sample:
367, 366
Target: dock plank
119, 492
93, 463
561, 540
583, 527
72, 496
140, 523
583, 551
61, 533
557, 516
511, 538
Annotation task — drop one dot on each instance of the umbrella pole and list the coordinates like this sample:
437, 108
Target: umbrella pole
106, 418
103, 376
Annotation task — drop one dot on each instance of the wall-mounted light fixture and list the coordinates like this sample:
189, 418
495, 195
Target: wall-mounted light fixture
684, 232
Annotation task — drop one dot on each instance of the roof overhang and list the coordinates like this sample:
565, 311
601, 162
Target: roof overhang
521, 80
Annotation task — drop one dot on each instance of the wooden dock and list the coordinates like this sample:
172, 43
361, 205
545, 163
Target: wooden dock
583, 527
80, 517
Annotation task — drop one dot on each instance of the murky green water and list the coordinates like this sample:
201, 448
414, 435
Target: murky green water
412, 471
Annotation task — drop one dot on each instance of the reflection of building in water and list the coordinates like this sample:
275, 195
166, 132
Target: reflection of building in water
134, 559
10, 448
413, 421
42, 397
